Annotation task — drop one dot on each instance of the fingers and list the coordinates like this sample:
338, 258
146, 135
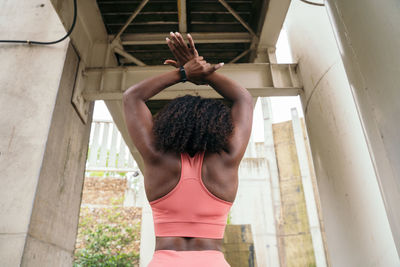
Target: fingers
211, 69
218, 66
182, 42
173, 49
180, 46
192, 47
171, 62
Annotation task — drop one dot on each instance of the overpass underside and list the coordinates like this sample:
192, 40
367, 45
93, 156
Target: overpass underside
115, 44
130, 46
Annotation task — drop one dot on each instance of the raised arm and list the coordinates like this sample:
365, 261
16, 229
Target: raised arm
242, 113
138, 118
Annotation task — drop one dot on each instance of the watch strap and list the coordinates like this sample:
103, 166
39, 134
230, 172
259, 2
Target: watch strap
183, 74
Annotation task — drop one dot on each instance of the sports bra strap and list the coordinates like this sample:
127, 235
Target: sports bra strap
191, 166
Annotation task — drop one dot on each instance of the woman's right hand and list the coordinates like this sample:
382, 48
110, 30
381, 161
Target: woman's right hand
197, 69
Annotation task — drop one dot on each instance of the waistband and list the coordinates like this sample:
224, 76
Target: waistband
197, 252
190, 229
198, 258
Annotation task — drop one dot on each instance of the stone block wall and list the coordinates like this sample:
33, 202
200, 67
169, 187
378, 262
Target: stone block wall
294, 234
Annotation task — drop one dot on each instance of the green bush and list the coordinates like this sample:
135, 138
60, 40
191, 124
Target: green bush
107, 241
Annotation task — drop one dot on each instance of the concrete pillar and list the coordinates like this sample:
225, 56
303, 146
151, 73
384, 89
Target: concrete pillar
311, 206
258, 196
368, 35
134, 193
43, 142
356, 224
147, 235
272, 166
253, 205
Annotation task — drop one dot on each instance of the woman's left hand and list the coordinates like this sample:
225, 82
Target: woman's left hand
181, 51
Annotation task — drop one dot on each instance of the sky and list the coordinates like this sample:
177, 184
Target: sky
281, 106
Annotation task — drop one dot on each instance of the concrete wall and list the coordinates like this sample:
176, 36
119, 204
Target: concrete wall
356, 224
368, 34
238, 246
43, 142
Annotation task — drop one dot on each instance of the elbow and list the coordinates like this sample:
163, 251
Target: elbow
244, 98
126, 94
247, 97
130, 94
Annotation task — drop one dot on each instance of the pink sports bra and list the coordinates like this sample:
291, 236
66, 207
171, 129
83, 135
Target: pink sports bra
190, 210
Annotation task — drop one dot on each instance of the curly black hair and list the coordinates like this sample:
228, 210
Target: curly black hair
191, 124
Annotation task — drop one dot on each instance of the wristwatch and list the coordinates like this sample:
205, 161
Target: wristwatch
183, 74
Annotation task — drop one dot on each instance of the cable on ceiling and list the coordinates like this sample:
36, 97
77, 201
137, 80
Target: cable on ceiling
48, 43
312, 3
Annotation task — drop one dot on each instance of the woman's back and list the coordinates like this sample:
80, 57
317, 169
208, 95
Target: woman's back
220, 181
190, 209
218, 176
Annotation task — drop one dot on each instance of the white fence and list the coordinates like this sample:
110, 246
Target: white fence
107, 149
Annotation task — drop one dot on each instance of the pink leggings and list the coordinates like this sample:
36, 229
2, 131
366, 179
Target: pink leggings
208, 258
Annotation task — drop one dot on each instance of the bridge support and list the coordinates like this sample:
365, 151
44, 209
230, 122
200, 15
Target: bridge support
356, 223
372, 65
43, 141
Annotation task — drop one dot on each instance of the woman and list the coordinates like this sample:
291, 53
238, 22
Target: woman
191, 152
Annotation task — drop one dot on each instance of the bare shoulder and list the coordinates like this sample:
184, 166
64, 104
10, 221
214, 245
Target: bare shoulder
220, 175
223, 158
162, 163
161, 175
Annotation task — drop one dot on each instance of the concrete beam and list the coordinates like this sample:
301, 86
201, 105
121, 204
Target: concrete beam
274, 17
199, 38
89, 27
259, 79
90, 41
